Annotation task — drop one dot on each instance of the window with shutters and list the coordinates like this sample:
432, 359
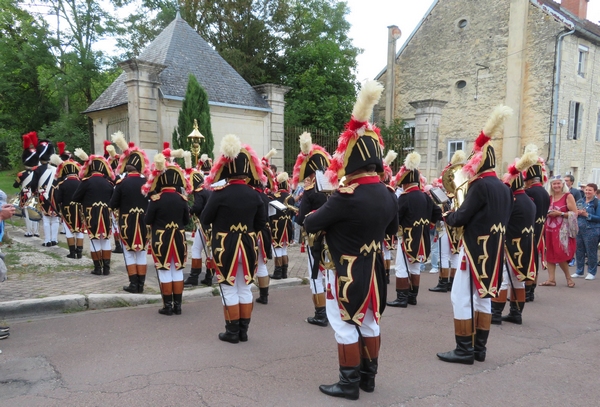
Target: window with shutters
583, 53
454, 146
575, 120
596, 175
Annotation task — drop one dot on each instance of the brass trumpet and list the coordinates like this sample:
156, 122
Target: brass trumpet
456, 184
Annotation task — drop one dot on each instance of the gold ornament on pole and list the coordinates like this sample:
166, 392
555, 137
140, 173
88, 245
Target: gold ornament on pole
195, 138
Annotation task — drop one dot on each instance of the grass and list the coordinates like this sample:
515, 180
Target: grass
7, 178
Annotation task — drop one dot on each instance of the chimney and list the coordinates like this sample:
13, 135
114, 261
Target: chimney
576, 7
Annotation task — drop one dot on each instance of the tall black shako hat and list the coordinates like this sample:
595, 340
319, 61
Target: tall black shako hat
30, 156
515, 171
235, 159
538, 169
45, 149
193, 174
483, 156
312, 157
360, 144
265, 163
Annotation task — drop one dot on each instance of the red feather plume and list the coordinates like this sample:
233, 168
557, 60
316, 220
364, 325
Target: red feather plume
61, 147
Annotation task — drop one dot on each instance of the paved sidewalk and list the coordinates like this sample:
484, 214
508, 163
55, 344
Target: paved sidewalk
37, 272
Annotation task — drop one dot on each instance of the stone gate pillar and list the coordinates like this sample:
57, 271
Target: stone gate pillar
427, 121
275, 97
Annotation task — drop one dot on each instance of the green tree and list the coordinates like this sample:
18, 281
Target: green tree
194, 106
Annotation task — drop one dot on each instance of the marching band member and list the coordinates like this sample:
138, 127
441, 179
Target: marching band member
416, 211
42, 186
264, 236
94, 195
390, 240
201, 235
281, 226
449, 238
130, 204
356, 219
236, 213
67, 175
484, 215
167, 215
534, 177
30, 160
205, 164
312, 158
520, 245
113, 160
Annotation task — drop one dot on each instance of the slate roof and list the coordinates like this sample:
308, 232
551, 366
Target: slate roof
183, 51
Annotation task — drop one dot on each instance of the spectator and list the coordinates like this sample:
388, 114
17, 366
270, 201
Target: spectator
560, 247
588, 220
6, 212
577, 194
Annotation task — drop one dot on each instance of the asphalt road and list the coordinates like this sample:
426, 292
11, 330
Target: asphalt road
136, 357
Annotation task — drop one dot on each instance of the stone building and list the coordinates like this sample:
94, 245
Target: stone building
144, 101
537, 56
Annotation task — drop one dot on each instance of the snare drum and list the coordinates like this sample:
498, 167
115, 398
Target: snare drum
31, 206
16, 202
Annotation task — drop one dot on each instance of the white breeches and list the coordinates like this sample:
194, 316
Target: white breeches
346, 333
387, 254
402, 262
69, 234
135, 257
32, 227
168, 276
280, 251
51, 224
198, 246
261, 270
97, 245
239, 292
462, 293
506, 283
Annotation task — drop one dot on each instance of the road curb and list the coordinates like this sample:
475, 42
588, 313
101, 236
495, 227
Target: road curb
78, 302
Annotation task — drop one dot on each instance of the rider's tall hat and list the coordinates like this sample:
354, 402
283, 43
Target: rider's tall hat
236, 159
483, 156
30, 157
131, 155
360, 144
312, 157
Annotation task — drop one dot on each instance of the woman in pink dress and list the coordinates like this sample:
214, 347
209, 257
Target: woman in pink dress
560, 247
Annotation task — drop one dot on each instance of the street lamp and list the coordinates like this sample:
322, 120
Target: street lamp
195, 138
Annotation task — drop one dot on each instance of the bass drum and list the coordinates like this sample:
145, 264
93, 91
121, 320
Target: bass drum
16, 202
31, 206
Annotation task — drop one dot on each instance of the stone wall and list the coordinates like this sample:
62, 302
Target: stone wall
442, 53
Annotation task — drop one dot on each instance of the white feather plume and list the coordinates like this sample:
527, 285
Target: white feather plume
55, 160
119, 139
368, 97
231, 146
412, 161
531, 148
204, 157
159, 161
79, 153
459, 156
110, 149
187, 158
177, 153
529, 158
305, 142
495, 124
282, 177
390, 157
270, 154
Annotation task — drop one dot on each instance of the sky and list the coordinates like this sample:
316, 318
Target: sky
370, 19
